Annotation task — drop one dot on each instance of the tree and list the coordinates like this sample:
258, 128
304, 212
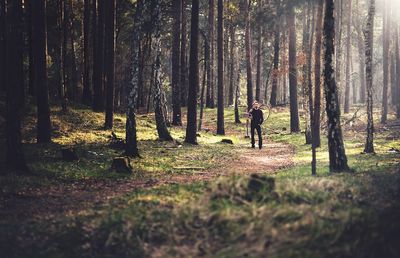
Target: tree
337, 154
361, 53
210, 67
294, 112
40, 66
131, 148
15, 159
369, 48
397, 50
317, 73
184, 69
259, 57
249, 66
163, 133
98, 59
385, 60
348, 60
176, 41
109, 60
274, 88
232, 65
191, 131
3, 45
28, 15
220, 49
87, 91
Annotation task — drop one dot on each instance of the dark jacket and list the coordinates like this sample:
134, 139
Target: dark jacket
256, 116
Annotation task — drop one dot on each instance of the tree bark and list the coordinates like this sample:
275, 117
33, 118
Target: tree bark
232, 65
163, 133
397, 70
176, 41
259, 64
204, 82
348, 59
87, 91
274, 87
40, 64
184, 68
369, 50
249, 67
191, 131
3, 50
306, 70
337, 154
109, 64
210, 67
28, 12
361, 53
131, 148
317, 73
98, 60
220, 49
237, 95
385, 60
294, 112
14, 85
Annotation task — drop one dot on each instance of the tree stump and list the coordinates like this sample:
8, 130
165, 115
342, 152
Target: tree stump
69, 154
121, 165
227, 141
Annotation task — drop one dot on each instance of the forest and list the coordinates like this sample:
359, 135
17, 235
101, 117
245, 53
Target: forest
200, 128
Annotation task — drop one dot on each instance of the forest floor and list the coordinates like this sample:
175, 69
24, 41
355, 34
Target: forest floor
189, 201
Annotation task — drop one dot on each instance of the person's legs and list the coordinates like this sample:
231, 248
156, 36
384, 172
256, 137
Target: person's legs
259, 137
253, 141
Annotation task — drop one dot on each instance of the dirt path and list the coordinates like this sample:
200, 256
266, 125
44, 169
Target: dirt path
75, 198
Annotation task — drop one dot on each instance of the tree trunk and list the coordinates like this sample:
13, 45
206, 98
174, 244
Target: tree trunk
369, 48
248, 58
98, 60
310, 97
397, 70
87, 91
131, 148
232, 65
176, 41
274, 87
210, 67
191, 136
306, 70
163, 133
385, 60
40, 64
74, 71
109, 64
28, 11
184, 69
220, 49
65, 76
237, 95
204, 82
14, 84
361, 53
3, 52
338, 37
337, 154
294, 112
317, 73
348, 58
393, 83
259, 64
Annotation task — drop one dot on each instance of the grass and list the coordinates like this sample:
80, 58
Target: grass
331, 215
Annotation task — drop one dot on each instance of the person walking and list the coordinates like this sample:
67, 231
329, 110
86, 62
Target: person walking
257, 118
